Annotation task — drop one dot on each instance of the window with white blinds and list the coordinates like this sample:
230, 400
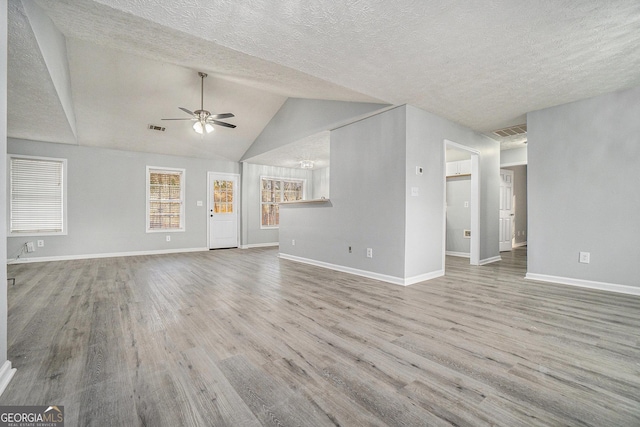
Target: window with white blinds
37, 196
165, 199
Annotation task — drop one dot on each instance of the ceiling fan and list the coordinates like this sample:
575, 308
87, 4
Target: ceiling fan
203, 119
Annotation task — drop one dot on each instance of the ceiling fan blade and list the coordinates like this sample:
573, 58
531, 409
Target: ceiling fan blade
177, 119
215, 122
221, 116
187, 111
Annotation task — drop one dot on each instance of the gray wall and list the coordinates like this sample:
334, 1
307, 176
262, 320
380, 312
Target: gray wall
252, 233
299, 118
584, 159
106, 201
426, 133
514, 156
321, 184
520, 203
3, 181
458, 216
372, 172
367, 201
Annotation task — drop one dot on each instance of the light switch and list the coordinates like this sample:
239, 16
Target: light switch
415, 191
199, 203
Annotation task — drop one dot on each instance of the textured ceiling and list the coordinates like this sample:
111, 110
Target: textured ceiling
314, 147
480, 64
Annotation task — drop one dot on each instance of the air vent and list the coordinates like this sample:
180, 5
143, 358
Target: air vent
158, 128
511, 131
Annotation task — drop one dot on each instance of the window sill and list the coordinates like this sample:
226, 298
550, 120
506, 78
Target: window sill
299, 202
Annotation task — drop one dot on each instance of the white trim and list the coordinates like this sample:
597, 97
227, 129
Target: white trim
104, 255
368, 274
458, 254
490, 260
259, 245
519, 245
602, 286
6, 373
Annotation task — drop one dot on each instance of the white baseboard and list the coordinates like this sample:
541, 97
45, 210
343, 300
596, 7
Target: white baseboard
458, 254
602, 286
259, 245
6, 373
490, 260
368, 274
23, 260
519, 245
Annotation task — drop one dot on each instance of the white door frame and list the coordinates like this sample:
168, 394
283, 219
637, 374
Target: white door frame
506, 244
209, 202
474, 254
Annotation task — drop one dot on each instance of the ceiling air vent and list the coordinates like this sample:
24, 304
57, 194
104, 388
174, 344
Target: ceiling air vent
158, 128
511, 131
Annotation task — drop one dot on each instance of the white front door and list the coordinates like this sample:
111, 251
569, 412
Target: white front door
506, 210
223, 210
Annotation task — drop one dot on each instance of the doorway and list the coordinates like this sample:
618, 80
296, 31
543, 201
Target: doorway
506, 210
222, 210
472, 170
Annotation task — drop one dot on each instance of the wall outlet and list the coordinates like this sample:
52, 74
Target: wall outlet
466, 204
585, 257
199, 203
466, 234
40, 243
293, 242
168, 238
30, 247
369, 253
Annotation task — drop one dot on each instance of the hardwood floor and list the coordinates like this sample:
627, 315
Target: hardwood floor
242, 338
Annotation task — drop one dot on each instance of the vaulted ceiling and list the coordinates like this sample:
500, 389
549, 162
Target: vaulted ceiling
131, 63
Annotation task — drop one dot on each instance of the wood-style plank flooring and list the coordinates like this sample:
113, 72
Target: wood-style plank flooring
243, 338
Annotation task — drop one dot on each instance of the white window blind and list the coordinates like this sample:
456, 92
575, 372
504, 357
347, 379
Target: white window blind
37, 196
165, 199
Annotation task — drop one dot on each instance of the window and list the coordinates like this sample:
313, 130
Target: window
37, 196
274, 191
222, 196
165, 199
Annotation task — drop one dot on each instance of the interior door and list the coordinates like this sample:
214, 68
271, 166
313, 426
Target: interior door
506, 210
223, 211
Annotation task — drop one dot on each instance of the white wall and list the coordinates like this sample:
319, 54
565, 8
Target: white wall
584, 160
252, 233
106, 201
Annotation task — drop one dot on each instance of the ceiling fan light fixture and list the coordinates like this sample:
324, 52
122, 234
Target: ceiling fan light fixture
208, 127
306, 164
197, 126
